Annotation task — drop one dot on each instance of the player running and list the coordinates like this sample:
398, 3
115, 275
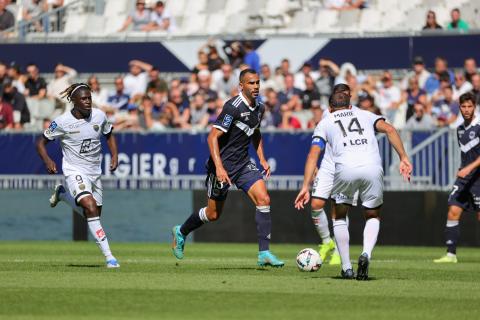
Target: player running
351, 134
321, 191
466, 189
80, 131
235, 128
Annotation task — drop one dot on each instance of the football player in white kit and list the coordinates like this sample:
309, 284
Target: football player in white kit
351, 134
79, 132
321, 191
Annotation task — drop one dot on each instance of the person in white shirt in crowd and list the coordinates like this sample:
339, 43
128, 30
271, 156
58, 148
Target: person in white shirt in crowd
136, 80
299, 77
419, 71
160, 19
18, 79
461, 85
62, 79
420, 120
388, 97
224, 82
99, 94
267, 80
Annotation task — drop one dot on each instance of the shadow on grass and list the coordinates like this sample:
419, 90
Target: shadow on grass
84, 265
239, 268
340, 278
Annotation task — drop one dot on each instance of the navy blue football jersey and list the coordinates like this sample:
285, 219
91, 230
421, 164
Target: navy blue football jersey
239, 121
469, 142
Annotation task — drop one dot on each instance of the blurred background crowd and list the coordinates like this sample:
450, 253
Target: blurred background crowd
144, 98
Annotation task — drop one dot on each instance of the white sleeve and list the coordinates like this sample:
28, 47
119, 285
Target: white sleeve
107, 126
320, 131
54, 130
373, 118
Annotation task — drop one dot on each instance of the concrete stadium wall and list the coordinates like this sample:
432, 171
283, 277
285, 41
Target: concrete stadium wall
408, 218
127, 215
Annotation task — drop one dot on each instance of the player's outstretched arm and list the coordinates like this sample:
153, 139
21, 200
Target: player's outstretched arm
42, 152
212, 140
396, 141
112, 146
310, 166
258, 144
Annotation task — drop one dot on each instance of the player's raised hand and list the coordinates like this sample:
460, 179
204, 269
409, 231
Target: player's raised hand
51, 166
222, 176
302, 199
406, 169
266, 168
113, 163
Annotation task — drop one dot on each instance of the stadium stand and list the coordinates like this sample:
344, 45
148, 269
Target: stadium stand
388, 93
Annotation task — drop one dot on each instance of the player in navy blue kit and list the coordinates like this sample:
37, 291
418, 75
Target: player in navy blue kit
235, 129
466, 190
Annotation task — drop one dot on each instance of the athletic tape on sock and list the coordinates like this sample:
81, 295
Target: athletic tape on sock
202, 213
263, 209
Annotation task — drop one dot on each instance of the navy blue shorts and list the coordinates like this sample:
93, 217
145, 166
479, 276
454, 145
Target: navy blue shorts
243, 180
465, 194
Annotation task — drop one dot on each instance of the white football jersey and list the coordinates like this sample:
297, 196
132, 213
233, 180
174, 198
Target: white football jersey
80, 141
351, 136
327, 161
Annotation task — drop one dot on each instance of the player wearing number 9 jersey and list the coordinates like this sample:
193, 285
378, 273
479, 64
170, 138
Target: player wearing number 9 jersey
351, 135
79, 132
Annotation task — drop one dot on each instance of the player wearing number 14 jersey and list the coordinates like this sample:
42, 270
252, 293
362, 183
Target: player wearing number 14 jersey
351, 136
79, 132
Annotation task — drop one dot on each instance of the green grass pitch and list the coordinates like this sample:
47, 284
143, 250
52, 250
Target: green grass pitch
66, 280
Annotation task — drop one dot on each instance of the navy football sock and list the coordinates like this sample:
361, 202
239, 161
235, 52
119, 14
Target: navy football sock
264, 227
452, 234
195, 221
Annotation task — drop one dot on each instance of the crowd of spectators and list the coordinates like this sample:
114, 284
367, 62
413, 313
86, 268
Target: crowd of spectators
33, 16
294, 99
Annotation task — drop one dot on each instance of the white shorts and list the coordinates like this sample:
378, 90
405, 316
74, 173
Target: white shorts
81, 185
368, 180
323, 185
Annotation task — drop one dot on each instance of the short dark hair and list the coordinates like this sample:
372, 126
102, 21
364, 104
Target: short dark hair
159, 4
248, 45
245, 72
339, 100
341, 87
468, 96
456, 9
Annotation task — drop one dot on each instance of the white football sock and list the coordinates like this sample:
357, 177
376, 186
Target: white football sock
320, 222
100, 237
342, 238
68, 199
370, 235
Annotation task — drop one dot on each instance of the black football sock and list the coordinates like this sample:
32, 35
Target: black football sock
195, 221
264, 227
452, 234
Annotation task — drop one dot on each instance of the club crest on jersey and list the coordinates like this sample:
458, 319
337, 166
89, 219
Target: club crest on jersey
96, 127
471, 135
227, 120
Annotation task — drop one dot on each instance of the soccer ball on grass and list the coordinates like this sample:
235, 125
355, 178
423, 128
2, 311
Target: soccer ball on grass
308, 260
